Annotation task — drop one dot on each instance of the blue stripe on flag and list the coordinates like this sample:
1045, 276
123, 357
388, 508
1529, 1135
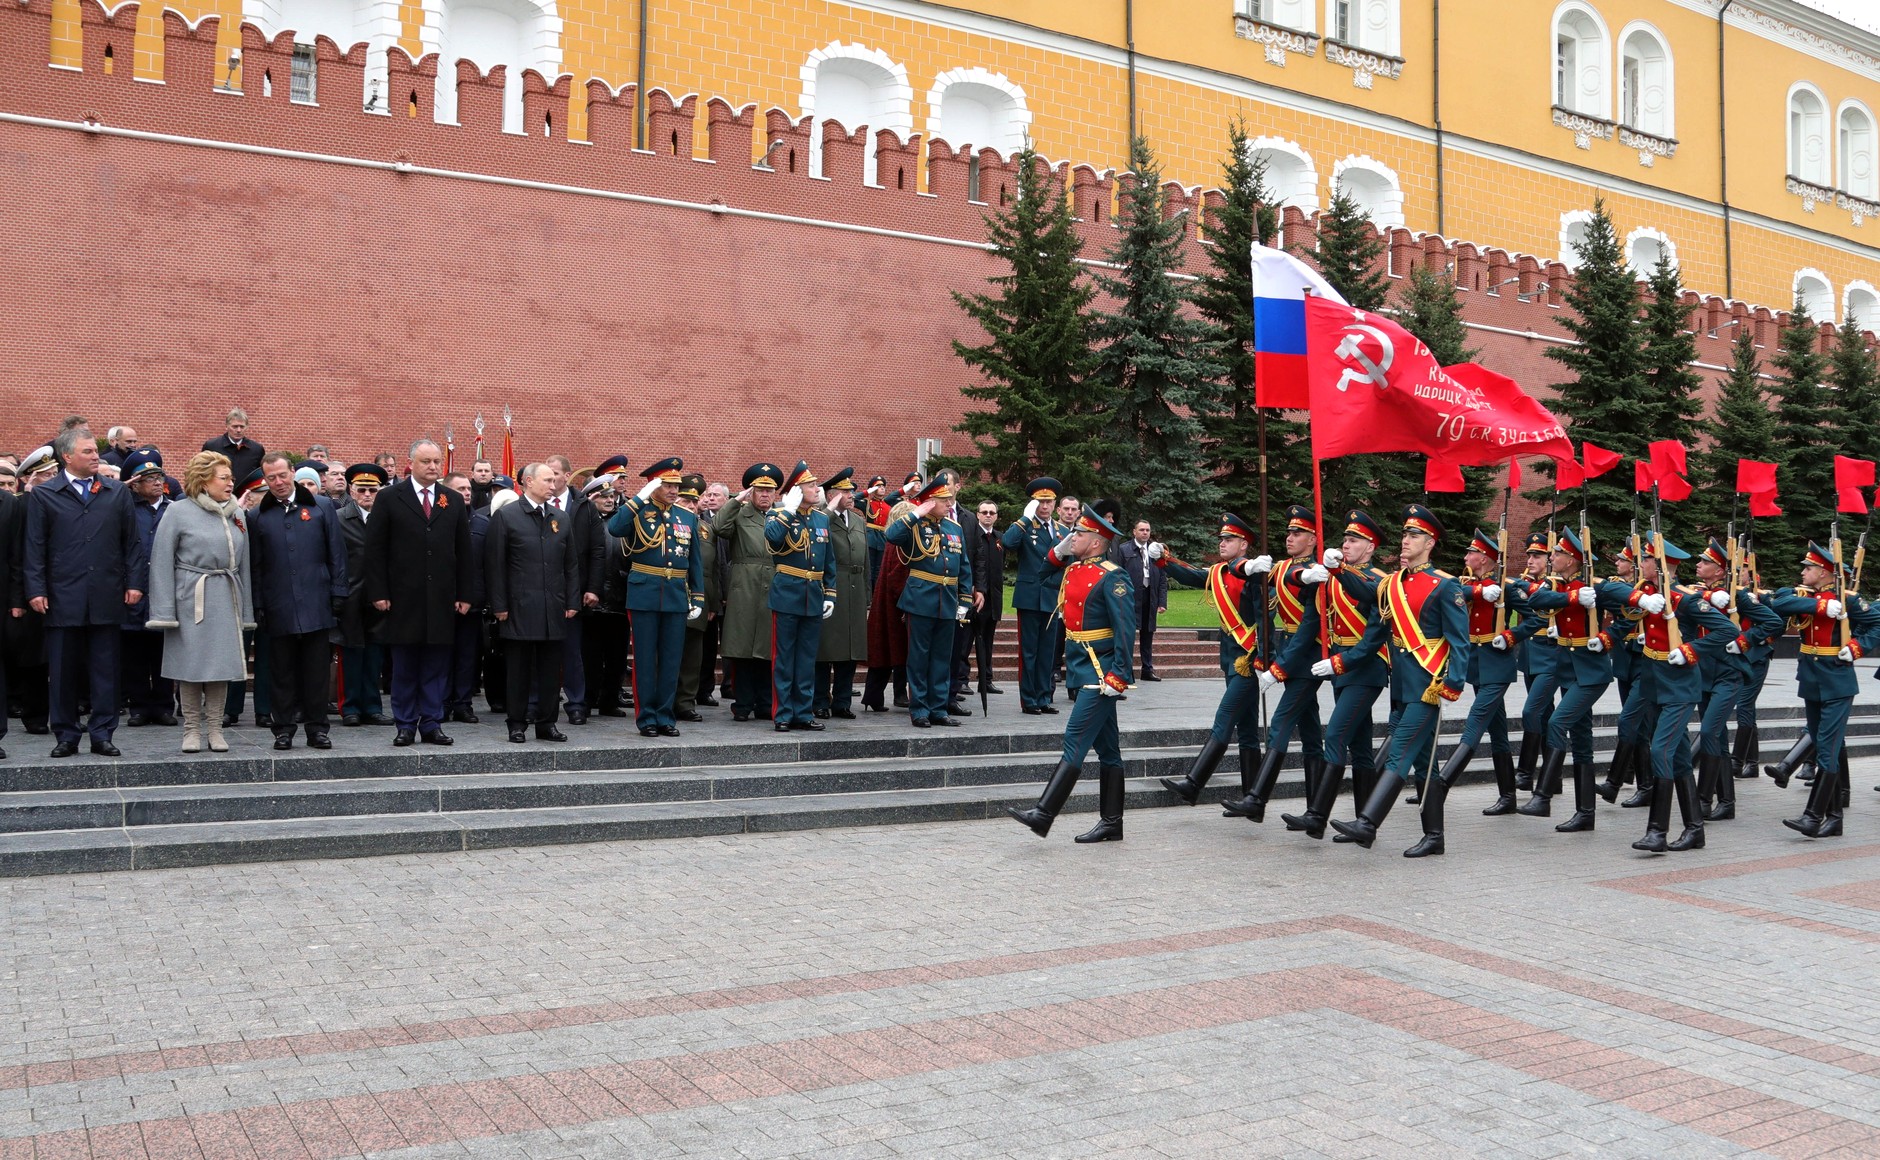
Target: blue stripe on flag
1279, 325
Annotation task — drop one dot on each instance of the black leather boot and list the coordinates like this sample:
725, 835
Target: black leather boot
1319, 804
1363, 828
1693, 836
1582, 820
1546, 782
1249, 767
1752, 750
1189, 787
1658, 820
1837, 801
1109, 827
1708, 769
1504, 787
1531, 744
1815, 812
1252, 804
1725, 809
1647, 781
1432, 814
1057, 791
1624, 757
1791, 761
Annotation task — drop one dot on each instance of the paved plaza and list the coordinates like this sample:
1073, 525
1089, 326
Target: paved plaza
1206, 988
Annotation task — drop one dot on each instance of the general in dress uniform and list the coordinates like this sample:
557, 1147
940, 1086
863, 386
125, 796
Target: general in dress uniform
1098, 604
745, 642
692, 664
802, 595
1755, 625
937, 599
1298, 708
665, 588
844, 635
1035, 596
1236, 595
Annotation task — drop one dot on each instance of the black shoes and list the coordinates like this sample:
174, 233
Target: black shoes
351, 720
168, 719
740, 714
1189, 787
546, 731
811, 726
820, 714
611, 711
922, 723
995, 690
378, 719
780, 727
690, 714
708, 702
668, 730
959, 709
901, 702
137, 721
1150, 677
404, 737
465, 715
283, 741
319, 740
65, 749
104, 748
842, 714
436, 737
578, 716
1033, 711
518, 735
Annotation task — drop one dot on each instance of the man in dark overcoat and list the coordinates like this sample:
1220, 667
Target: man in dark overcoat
299, 590
533, 580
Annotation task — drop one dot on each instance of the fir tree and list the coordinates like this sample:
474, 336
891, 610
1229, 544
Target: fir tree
1804, 432
1743, 429
1035, 360
1349, 250
1606, 400
1667, 349
1428, 308
1855, 377
1224, 296
1156, 368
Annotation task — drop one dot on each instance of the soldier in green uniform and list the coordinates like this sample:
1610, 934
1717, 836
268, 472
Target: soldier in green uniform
665, 588
705, 547
802, 595
1098, 603
844, 635
937, 599
745, 639
1032, 536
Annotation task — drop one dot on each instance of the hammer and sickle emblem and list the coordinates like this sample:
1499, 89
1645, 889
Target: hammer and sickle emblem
1351, 350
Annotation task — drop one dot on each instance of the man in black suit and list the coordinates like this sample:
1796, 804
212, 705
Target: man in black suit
417, 560
244, 454
533, 583
361, 656
467, 649
84, 567
300, 587
987, 554
1137, 557
12, 526
590, 549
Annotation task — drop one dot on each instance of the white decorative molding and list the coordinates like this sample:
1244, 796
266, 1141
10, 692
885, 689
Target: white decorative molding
1818, 298
1581, 123
1647, 143
1821, 46
1018, 112
1375, 185
1292, 176
1647, 233
1810, 193
1278, 40
1363, 60
1573, 224
1860, 207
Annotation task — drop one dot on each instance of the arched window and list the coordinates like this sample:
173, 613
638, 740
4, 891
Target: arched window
1368, 24
1296, 14
1856, 141
970, 106
517, 34
1645, 86
1861, 304
1291, 178
344, 22
1581, 80
1373, 185
1573, 227
1808, 135
1644, 246
1815, 295
855, 86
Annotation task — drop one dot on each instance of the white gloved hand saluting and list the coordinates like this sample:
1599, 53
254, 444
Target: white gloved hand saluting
1155, 551
1652, 603
1837, 610
1333, 558
793, 499
1720, 600
829, 609
1031, 510
1322, 668
652, 485
1588, 597
1314, 575
1491, 593
1063, 549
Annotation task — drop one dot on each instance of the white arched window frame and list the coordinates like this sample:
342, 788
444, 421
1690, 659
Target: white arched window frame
1291, 177
1573, 227
1809, 156
1647, 88
1372, 25
1643, 247
1582, 77
1861, 303
344, 22
1294, 14
963, 98
518, 34
856, 86
1854, 151
1374, 186
1816, 294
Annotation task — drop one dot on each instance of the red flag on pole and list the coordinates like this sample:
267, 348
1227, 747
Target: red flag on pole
1763, 503
1668, 468
509, 452
1441, 475
1514, 474
1852, 473
1598, 460
1850, 501
1641, 475
1568, 474
1753, 476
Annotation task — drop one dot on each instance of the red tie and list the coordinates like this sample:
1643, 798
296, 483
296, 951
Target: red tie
425, 492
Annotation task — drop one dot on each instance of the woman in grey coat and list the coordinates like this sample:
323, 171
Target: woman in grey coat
200, 595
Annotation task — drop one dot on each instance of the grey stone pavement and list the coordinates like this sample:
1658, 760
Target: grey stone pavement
1206, 987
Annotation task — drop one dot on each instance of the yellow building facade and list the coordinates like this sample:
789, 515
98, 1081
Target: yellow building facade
1741, 136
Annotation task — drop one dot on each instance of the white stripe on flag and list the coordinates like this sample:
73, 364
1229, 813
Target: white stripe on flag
1277, 274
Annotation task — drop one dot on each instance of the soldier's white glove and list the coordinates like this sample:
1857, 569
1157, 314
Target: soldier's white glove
1314, 575
1652, 603
829, 609
1733, 648
1107, 690
1333, 558
963, 614
694, 612
1031, 510
1588, 597
1322, 668
1720, 600
793, 499
1491, 593
1499, 644
1063, 549
1155, 551
1846, 654
1749, 594
1837, 610
1676, 657
1267, 679
1595, 645
1259, 565
652, 485
1553, 631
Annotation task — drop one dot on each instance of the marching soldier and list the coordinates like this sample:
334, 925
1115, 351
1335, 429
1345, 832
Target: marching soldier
844, 635
1836, 631
1493, 644
1032, 536
1237, 602
692, 661
937, 599
1627, 662
1680, 629
1349, 596
1298, 707
1098, 605
802, 595
665, 588
1754, 624
740, 527
1423, 615
1537, 661
1746, 752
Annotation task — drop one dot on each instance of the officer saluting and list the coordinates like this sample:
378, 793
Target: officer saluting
664, 589
1099, 608
1032, 536
937, 599
802, 595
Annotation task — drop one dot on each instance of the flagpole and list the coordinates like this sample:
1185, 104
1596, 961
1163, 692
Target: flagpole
1324, 600
1266, 579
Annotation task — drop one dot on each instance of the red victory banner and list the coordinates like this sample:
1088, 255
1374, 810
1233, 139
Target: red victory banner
1598, 460
1753, 475
1441, 475
1375, 387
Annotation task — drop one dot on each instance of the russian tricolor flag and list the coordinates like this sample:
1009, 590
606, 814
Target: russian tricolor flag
1280, 285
